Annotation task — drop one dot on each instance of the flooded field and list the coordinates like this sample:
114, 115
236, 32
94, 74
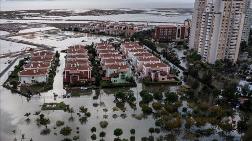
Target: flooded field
61, 39
10, 47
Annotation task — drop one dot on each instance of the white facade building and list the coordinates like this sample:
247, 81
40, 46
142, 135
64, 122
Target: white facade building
217, 28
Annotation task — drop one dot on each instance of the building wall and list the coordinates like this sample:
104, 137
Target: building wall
165, 34
199, 7
69, 77
32, 79
217, 29
248, 22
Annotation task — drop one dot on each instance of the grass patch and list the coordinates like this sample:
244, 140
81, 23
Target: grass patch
55, 106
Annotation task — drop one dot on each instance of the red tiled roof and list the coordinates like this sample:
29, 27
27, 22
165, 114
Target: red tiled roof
116, 66
37, 65
108, 51
105, 48
33, 72
137, 50
155, 65
112, 60
77, 49
148, 59
110, 55
75, 67
42, 58
77, 56
144, 54
74, 61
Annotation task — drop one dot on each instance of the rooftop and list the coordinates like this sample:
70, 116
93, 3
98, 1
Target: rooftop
37, 65
116, 66
45, 58
70, 67
144, 54
33, 72
109, 55
155, 65
149, 59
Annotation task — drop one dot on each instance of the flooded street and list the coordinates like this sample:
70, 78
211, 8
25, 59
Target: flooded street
14, 107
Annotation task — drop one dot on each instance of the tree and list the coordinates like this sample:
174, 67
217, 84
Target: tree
242, 126
146, 97
65, 131
83, 109
118, 132
157, 130
151, 130
102, 134
158, 96
71, 111
43, 121
171, 97
103, 124
132, 131
57, 55
157, 106
93, 137
146, 109
93, 129
120, 96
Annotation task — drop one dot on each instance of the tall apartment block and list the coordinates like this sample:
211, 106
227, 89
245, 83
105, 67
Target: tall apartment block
217, 28
248, 22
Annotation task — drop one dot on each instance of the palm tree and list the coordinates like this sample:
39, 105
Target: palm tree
71, 111
102, 134
151, 130
118, 132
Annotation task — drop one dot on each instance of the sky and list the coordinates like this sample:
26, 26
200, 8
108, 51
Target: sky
92, 4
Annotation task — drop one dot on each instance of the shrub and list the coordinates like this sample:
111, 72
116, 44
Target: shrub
146, 109
132, 131
118, 132
93, 129
59, 123
93, 137
66, 131
103, 124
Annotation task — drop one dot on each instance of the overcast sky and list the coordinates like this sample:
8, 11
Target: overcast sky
91, 4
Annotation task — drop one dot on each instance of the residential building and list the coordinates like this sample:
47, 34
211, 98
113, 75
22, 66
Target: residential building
248, 22
150, 67
37, 68
77, 69
217, 28
30, 76
75, 73
146, 60
165, 33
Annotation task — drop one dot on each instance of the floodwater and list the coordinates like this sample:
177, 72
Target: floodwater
10, 47
61, 39
13, 106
